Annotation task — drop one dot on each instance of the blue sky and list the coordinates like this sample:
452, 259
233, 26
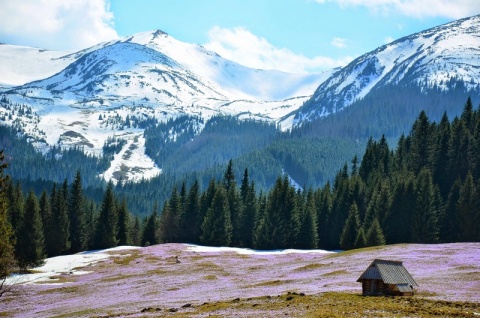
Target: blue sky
291, 35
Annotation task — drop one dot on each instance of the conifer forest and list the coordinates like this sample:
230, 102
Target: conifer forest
423, 190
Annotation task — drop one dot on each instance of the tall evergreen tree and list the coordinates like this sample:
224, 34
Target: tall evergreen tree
61, 227
107, 223
76, 214
48, 222
150, 236
123, 236
468, 211
32, 241
7, 260
425, 228
374, 236
351, 228
397, 222
217, 226
191, 222
308, 235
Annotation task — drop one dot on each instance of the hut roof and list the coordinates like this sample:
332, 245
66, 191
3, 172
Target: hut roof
391, 272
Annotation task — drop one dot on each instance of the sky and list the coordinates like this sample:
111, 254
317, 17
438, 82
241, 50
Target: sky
288, 35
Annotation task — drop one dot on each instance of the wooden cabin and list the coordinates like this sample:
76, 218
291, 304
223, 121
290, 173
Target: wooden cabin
385, 277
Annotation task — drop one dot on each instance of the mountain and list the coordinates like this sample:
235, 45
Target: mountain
88, 98
150, 103
435, 61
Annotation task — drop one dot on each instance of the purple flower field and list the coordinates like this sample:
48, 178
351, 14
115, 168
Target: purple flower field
174, 275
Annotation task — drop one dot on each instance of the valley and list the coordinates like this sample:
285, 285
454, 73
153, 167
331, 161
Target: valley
196, 281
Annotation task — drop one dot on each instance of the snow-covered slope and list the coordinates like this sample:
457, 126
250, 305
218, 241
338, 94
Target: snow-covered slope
427, 59
84, 98
20, 64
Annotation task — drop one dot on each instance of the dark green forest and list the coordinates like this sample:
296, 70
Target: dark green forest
426, 190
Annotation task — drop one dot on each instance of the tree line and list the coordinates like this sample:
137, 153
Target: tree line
424, 191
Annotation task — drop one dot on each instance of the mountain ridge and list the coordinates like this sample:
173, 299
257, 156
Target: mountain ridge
428, 59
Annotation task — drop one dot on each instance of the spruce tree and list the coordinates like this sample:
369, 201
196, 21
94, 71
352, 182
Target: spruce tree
468, 211
398, 221
107, 223
308, 235
32, 241
7, 259
450, 229
351, 228
424, 224
61, 226
149, 236
361, 239
191, 222
123, 236
76, 214
217, 226
375, 235
136, 232
48, 223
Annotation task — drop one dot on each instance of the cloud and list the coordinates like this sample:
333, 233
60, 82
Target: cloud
339, 42
242, 46
56, 24
454, 9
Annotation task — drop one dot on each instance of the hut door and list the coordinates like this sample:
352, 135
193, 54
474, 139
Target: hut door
374, 287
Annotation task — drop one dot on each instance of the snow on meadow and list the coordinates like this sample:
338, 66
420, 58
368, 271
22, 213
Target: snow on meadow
175, 275
64, 265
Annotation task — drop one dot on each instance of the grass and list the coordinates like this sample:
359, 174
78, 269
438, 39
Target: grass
335, 273
126, 259
309, 267
333, 305
61, 290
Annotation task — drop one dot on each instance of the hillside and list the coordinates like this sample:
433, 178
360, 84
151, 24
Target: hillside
432, 59
222, 281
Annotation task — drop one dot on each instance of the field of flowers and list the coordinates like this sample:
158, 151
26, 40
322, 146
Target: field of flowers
186, 280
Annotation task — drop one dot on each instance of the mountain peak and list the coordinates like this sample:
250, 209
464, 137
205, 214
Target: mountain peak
158, 33
430, 59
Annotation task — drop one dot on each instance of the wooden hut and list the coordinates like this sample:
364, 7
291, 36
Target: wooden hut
385, 277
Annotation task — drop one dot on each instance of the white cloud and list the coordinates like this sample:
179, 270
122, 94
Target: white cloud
339, 42
454, 9
242, 46
56, 24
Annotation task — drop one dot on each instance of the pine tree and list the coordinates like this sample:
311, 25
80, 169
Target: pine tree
351, 228
468, 211
323, 201
107, 223
76, 214
308, 235
425, 228
61, 225
32, 241
249, 213
217, 226
361, 239
450, 229
123, 236
90, 225
48, 222
191, 223
397, 222
150, 236
136, 232
375, 235
7, 260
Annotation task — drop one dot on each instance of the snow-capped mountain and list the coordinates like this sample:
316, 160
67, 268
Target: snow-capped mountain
84, 98
428, 59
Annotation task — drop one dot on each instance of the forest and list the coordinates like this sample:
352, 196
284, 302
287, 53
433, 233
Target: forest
426, 190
